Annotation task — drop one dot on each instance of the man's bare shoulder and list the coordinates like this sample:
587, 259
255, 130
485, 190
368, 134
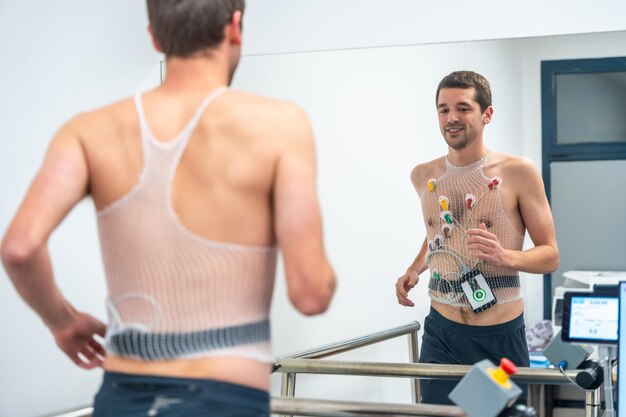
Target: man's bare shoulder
264, 109
519, 172
423, 172
270, 120
513, 165
257, 101
103, 120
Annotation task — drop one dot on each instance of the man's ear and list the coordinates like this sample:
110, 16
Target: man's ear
155, 43
488, 115
233, 29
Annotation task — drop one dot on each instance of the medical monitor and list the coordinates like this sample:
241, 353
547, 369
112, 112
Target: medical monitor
591, 317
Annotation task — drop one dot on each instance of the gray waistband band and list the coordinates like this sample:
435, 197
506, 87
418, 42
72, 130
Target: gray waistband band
447, 286
160, 346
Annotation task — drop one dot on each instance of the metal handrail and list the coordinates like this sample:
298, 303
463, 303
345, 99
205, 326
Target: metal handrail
329, 408
302, 362
355, 343
288, 385
81, 412
308, 362
413, 370
288, 388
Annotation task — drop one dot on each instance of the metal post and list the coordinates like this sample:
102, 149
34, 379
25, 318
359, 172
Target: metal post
537, 399
288, 387
593, 407
414, 356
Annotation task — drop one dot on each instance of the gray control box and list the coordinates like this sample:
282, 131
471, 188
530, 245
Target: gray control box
480, 395
574, 354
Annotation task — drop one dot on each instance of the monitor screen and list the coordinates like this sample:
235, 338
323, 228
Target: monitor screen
590, 318
621, 353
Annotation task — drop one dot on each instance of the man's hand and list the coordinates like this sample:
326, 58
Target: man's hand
404, 284
77, 340
486, 246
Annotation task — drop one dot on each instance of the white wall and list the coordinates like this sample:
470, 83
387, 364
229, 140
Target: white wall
58, 58
330, 25
373, 114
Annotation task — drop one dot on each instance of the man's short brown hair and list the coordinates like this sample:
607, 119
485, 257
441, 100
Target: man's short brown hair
468, 79
184, 27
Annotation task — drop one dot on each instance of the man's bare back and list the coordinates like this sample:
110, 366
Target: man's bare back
222, 189
246, 179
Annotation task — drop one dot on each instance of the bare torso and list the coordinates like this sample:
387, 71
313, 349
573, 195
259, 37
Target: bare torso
503, 166
222, 189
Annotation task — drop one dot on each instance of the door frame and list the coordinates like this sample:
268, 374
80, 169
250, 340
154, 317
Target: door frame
554, 152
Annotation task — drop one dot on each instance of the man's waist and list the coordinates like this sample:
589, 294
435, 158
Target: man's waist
445, 285
232, 369
492, 321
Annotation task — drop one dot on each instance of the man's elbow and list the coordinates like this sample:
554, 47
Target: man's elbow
314, 299
552, 263
311, 306
556, 258
17, 251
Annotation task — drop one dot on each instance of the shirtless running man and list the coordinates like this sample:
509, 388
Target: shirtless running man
477, 205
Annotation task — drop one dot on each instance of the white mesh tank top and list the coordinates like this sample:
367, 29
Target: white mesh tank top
174, 294
461, 199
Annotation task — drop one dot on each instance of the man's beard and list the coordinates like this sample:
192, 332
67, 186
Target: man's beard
461, 142
456, 144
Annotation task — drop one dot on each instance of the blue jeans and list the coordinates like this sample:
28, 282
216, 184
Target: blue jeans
125, 395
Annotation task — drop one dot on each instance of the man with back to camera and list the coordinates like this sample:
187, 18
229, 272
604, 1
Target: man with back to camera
194, 185
477, 205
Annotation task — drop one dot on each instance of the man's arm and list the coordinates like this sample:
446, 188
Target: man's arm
406, 282
310, 277
535, 211
60, 184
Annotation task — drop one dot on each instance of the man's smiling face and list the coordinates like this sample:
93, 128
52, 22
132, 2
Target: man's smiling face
461, 120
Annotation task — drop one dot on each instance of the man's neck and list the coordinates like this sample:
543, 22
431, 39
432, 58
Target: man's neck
196, 74
467, 155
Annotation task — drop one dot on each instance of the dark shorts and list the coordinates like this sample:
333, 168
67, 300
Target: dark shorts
124, 395
447, 342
